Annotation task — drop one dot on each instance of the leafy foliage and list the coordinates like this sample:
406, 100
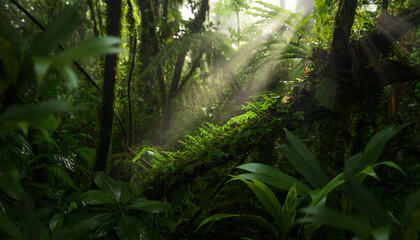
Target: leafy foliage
232, 95
306, 164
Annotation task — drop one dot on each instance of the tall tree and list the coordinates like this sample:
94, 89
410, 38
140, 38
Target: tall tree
108, 92
233, 6
196, 26
148, 49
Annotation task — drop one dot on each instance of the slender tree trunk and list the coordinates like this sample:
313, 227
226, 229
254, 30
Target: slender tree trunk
108, 94
93, 18
147, 34
133, 44
148, 49
194, 66
98, 12
173, 91
133, 49
239, 27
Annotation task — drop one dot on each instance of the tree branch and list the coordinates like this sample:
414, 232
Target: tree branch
194, 66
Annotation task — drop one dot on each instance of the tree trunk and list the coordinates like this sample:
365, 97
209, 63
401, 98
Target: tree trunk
108, 94
149, 48
239, 27
133, 44
340, 46
339, 71
98, 12
173, 91
93, 18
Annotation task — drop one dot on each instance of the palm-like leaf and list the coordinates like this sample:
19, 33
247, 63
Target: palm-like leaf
273, 177
303, 160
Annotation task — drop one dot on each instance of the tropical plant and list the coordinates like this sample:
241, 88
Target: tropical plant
22, 69
119, 205
360, 165
373, 220
20, 218
284, 216
35, 71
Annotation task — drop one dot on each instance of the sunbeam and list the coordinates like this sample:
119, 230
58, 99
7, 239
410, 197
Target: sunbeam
231, 82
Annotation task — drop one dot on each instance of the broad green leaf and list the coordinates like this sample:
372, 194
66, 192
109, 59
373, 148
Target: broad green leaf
87, 49
303, 160
366, 202
289, 211
135, 186
375, 146
97, 197
167, 222
72, 206
215, 218
267, 198
12, 189
321, 214
273, 177
109, 185
77, 230
50, 123
69, 76
56, 222
125, 197
319, 198
129, 228
291, 199
87, 154
150, 206
369, 171
260, 220
390, 164
56, 32
41, 68
61, 174
352, 162
18, 116
23, 142
108, 223
309, 229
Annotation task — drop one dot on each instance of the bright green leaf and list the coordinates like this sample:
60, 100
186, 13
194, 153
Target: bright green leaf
97, 197
56, 222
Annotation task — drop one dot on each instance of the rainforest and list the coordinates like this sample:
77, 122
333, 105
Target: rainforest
210, 119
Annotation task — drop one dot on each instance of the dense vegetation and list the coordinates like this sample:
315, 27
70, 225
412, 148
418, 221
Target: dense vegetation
119, 119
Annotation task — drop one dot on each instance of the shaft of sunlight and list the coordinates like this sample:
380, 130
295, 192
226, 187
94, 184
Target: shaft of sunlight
208, 94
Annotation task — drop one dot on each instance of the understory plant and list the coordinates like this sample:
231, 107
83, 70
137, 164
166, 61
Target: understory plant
372, 221
319, 192
120, 206
56, 208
